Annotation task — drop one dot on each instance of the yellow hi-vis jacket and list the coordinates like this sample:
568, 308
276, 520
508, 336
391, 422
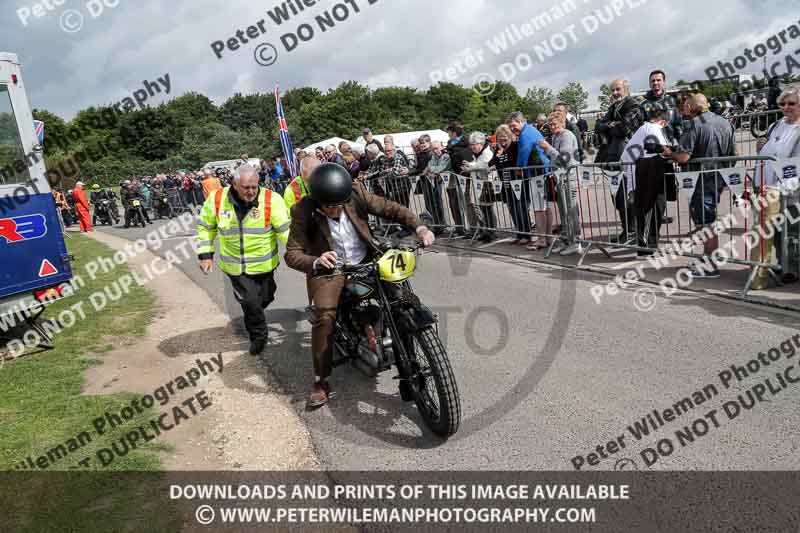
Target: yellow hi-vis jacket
250, 247
295, 192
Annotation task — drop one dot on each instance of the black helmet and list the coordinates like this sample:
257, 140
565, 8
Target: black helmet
330, 184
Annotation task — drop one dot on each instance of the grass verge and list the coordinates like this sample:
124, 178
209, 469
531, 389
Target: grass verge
45, 417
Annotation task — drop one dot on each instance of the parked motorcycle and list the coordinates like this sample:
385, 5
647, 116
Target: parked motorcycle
381, 322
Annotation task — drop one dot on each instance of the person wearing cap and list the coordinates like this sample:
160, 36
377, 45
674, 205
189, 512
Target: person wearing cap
332, 225
370, 139
82, 207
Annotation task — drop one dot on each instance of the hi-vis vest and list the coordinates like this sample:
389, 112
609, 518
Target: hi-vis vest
295, 192
250, 247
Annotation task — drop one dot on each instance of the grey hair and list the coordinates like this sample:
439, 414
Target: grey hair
789, 92
373, 149
245, 170
477, 137
304, 164
518, 116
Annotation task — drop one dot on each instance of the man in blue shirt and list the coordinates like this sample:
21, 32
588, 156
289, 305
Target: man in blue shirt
275, 174
530, 154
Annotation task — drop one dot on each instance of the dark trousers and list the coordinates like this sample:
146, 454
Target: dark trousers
254, 292
455, 206
433, 200
519, 208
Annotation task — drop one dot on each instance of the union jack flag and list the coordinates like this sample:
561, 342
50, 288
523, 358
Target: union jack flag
286, 141
38, 126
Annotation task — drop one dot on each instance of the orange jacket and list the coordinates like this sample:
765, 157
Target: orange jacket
80, 198
210, 185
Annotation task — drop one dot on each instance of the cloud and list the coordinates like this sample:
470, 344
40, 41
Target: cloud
387, 42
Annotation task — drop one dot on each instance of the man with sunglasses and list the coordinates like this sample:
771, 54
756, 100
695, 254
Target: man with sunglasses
332, 225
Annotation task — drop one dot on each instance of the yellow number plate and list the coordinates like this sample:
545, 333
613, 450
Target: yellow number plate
397, 265
136, 203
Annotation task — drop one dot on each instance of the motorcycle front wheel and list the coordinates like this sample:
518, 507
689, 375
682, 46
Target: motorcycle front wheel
435, 390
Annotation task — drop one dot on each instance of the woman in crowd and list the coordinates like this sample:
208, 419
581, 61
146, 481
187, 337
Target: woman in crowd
352, 164
563, 153
505, 157
479, 171
782, 142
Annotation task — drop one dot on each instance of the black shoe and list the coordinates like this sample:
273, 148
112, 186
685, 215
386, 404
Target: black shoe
257, 346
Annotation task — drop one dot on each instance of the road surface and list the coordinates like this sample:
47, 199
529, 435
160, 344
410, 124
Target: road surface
547, 375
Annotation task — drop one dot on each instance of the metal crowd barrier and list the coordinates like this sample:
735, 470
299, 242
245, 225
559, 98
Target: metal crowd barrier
749, 127
613, 206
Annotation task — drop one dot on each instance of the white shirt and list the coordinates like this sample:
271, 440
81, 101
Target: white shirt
347, 244
781, 143
634, 150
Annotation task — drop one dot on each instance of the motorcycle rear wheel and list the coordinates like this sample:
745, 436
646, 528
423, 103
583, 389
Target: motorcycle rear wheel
435, 390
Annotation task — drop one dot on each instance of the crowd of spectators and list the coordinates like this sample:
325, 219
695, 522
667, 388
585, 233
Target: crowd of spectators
646, 139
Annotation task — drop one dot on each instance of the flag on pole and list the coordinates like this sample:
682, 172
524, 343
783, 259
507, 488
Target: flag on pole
38, 126
286, 141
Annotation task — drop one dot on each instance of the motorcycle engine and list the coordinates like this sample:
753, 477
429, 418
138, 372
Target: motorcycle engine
374, 347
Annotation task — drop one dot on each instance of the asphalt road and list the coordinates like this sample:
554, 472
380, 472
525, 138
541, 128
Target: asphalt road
546, 375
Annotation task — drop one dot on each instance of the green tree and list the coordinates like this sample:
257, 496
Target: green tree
574, 96
537, 100
449, 101
55, 131
605, 97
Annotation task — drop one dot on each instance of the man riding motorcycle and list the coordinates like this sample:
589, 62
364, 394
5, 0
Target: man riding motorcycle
330, 225
130, 192
96, 197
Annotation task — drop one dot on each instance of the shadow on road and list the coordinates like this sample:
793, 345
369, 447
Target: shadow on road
360, 406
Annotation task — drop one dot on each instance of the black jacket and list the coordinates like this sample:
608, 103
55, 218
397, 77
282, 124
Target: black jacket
459, 152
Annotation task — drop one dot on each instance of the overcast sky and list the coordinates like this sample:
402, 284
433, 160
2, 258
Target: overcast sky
391, 42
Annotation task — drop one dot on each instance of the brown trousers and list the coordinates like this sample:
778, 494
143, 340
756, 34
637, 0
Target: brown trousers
325, 292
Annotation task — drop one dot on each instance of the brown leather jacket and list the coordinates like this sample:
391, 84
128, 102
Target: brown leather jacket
310, 236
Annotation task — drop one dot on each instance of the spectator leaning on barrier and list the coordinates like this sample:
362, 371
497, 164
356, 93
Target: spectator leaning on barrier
432, 184
530, 154
478, 169
396, 166
647, 175
459, 151
351, 164
782, 142
708, 135
658, 99
561, 153
570, 125
623, 118
505, 157
332, 155
370, 139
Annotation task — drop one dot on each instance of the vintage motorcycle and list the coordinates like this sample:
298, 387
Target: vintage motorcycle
162, 208
381, 322
135, 214
104, 212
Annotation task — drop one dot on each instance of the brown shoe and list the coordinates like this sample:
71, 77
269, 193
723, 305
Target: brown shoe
318, 395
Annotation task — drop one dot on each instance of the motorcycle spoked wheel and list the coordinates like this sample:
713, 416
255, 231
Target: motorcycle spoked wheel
434, 389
